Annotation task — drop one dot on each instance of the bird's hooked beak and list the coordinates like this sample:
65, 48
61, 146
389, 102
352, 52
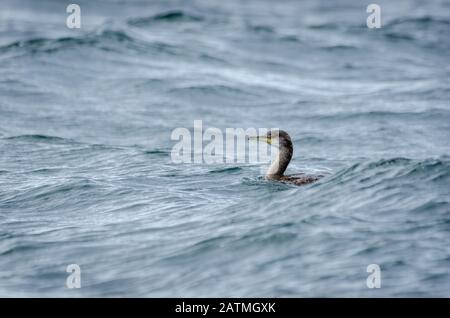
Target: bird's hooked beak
262, 138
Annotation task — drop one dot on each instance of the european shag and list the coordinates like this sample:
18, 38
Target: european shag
276, 171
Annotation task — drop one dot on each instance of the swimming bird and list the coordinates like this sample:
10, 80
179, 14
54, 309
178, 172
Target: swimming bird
283, 141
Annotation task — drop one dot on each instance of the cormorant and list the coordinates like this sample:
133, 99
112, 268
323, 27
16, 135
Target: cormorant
276, 171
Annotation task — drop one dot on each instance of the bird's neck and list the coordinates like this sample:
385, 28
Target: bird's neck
279, 165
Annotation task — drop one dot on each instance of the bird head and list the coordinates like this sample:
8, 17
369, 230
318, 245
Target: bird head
274, 137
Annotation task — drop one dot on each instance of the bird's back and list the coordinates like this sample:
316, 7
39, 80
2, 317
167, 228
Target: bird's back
300, 179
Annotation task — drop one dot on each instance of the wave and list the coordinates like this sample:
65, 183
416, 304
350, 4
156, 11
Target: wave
56, 191
426, 31
271, 32
106, 40
418, 21
226, 170
430, 113
170, 16
412, 170
223, 90
325, 26
261, 28
158, 152
39, 138
338, 47
49, 45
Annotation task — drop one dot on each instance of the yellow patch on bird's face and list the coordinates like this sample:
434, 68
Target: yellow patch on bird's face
265, 139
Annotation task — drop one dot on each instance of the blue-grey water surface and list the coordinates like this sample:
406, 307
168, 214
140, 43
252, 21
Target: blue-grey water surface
86, 175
